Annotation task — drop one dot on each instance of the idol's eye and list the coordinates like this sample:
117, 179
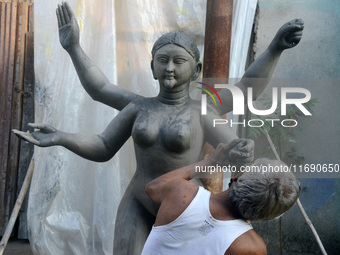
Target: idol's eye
162, 60
179, 60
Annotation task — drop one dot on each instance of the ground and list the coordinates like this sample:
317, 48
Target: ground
18, 247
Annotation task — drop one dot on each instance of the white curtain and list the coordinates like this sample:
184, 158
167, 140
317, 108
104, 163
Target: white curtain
73, 201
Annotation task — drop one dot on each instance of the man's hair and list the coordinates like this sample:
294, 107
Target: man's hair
178, 38
267, 194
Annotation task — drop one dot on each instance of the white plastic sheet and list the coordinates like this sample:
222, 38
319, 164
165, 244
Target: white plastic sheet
243, 19
73, 201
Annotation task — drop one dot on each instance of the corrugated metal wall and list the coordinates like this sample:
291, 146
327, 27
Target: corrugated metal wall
17, 1
16, 96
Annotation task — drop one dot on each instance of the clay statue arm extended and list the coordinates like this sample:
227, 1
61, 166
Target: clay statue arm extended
260, 71
93, 80
98, 148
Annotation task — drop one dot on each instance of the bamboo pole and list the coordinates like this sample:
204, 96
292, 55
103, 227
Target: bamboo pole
310, 224
17, 207
308, 221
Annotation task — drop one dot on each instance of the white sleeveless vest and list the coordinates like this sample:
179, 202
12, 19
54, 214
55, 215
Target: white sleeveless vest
195, 231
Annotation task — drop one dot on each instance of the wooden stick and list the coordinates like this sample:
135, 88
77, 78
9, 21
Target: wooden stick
310, 224
271, 144
17, 207
308, 221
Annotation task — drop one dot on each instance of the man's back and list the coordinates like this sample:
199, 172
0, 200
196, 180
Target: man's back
184, 225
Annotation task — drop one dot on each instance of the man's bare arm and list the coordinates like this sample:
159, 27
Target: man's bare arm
249, 243
157, 188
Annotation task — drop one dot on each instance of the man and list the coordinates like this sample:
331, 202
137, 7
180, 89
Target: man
191, 220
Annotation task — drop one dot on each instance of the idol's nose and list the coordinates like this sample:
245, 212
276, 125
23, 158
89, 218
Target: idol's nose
170, 67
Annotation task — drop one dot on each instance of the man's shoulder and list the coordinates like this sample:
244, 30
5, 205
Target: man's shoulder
179, 187
249, 243
178, 195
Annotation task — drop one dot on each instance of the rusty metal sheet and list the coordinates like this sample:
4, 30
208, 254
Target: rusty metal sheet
26, 150
14, 25
6, 103
18, 1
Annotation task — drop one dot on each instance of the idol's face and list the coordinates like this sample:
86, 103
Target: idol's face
173, 66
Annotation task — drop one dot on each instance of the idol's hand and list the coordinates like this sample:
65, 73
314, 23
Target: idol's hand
43, 136
68, 27
289, 35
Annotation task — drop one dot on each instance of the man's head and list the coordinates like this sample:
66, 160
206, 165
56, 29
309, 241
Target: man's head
264, 195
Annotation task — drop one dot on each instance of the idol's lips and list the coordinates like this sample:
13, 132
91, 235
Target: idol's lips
169, 77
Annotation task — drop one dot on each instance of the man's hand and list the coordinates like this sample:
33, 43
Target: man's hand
220, 155
241, 151
68, 27
289, 35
